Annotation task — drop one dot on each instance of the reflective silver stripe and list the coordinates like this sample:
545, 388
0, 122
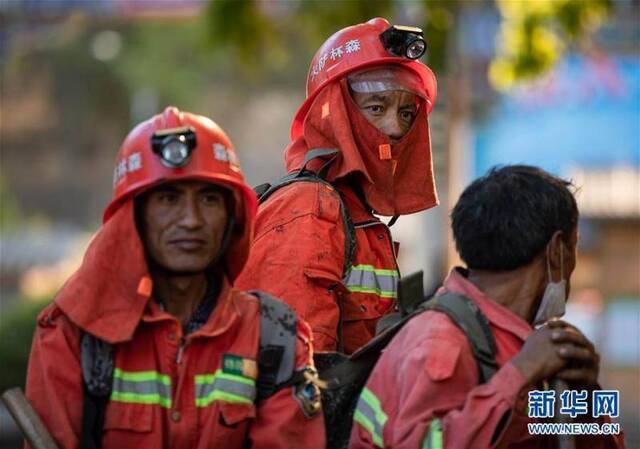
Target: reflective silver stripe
146, 387
228, 386
367, 279
142, 387
222, 386
370, 416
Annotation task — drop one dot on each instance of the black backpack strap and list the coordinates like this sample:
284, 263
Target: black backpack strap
462, 311
468, 317
264, 191
96, 361
346, 377
261, 189
320, 152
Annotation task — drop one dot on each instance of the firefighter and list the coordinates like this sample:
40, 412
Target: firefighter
516, 231
359, 146
152, 316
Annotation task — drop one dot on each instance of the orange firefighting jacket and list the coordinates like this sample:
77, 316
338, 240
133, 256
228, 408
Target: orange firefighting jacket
424, 392
169, 391
299, 250
299, 253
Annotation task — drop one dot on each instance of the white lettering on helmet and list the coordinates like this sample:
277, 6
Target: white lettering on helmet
334, 54
129, 165
134, 162
352, 46
220, 152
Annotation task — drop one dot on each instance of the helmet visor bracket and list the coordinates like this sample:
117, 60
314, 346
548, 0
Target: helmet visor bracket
174, 146
404, 41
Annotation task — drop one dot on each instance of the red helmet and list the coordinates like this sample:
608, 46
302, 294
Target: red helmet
351, 49
178, 145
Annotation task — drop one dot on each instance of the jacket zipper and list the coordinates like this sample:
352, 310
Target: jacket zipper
180, 350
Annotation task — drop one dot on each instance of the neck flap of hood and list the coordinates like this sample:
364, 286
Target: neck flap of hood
107, 295
396, 179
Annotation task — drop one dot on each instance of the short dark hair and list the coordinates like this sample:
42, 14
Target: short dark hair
507, 217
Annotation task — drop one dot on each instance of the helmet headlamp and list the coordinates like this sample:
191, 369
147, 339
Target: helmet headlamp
404, 41
174, 146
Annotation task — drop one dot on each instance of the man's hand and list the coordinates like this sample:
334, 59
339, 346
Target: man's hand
558, 350
539, 358
583, 362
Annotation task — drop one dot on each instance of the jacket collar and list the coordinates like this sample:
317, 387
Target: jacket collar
358, 211
224, 315
497, 314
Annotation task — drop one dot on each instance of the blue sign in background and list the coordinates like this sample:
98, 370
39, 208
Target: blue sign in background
586, 113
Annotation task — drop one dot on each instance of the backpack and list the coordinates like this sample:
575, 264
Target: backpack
346, 376
276, 366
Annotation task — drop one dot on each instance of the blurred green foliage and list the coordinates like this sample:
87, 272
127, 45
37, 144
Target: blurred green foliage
263, 36
272, 38
16, 332
438, 30
535, 34
168, 57
88, 91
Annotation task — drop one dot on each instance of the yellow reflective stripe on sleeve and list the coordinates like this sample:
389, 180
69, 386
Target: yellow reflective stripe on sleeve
433, 438
371, 268
370, 416
221, 386
141, 376
367, 279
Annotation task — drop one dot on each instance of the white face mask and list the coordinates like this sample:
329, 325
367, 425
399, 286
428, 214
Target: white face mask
555, 295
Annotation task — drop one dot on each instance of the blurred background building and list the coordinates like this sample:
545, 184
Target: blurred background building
550, 83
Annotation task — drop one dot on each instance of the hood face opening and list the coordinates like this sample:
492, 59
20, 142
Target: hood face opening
425, 75
396, 178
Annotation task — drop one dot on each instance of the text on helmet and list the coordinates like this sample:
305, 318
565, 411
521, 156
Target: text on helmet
351, 46
128, 165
